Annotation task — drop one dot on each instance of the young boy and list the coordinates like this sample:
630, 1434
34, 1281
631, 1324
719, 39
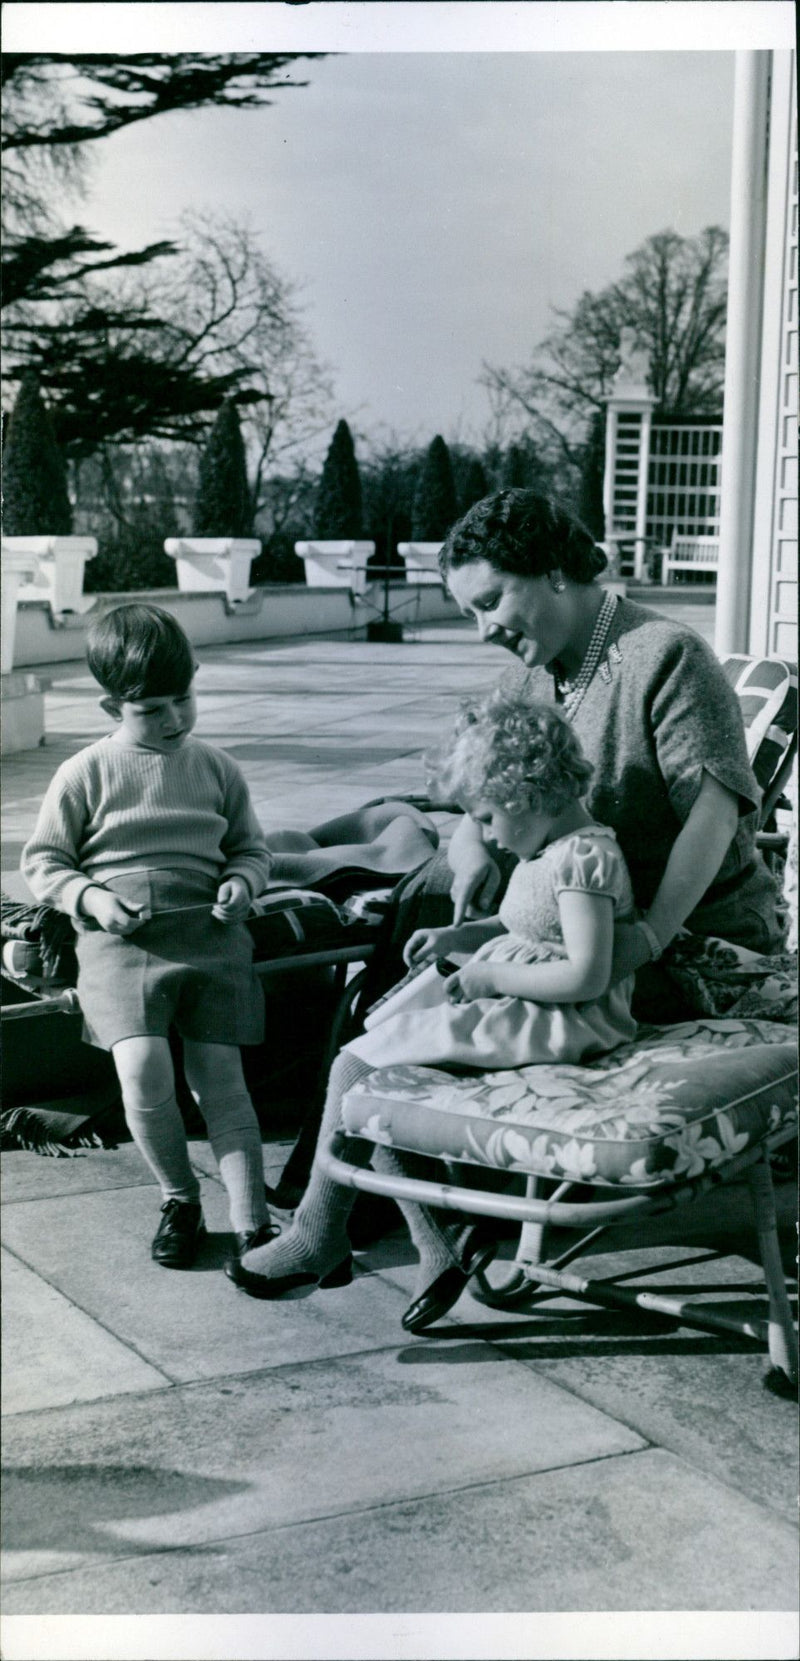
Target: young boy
147, 839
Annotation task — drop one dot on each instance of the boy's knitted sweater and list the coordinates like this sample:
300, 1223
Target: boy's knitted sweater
110, 809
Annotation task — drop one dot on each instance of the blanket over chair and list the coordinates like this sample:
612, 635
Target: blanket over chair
370, 848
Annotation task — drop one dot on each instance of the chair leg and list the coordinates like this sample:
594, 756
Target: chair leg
782, 1336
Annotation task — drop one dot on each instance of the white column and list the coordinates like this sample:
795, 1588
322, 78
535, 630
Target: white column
641, 496
743, 349
608, 474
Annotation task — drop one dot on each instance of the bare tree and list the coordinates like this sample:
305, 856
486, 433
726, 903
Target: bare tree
672, 299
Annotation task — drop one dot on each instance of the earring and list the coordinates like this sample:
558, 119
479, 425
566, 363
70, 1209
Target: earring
558, 584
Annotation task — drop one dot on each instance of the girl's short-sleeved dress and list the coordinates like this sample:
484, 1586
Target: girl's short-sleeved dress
491, 1033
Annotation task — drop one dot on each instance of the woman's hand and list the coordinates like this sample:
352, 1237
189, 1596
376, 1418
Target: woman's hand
474, 886
233, 901
426, 944
114, 916
631, 951
472, 980
476, 877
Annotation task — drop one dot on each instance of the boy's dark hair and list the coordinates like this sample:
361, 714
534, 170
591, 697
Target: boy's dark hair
139, 651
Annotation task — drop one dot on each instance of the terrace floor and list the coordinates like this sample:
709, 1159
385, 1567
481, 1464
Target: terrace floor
173, 1448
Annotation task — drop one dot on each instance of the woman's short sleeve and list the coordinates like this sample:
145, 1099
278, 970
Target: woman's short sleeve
591, 866
697, 725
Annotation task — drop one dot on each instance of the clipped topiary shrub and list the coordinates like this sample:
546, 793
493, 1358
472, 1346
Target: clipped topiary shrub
36, 499
337, 511
474, 484
435, 505
222, 505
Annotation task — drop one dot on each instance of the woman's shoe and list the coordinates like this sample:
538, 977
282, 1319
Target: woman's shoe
262, 1286
476, 1254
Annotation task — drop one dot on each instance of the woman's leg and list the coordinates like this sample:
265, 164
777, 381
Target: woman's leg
317, 1240
215, 1077
147, 1081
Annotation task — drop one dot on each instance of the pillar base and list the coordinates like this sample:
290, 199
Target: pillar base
22, 701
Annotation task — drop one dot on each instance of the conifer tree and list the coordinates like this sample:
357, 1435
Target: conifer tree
474, 484
36, 500
337, 511
590, 489
435, 506
222, 504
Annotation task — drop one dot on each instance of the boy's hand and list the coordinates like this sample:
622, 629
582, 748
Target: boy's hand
233, 901
426, 944
472, 980
114, 915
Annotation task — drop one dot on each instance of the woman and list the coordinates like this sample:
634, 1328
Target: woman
654, 714
658, 720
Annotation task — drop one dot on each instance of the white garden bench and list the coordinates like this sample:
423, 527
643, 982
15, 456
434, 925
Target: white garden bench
690, 553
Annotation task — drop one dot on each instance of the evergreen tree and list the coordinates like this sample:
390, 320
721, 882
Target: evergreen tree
337, 512
474, 484
590, 489
34, 474
435, 505
222, 505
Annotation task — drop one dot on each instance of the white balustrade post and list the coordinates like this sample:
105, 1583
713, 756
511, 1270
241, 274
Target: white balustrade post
421, 561
59, 563
336, 564
214, 564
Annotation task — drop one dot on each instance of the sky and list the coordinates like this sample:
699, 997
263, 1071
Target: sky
434, 207
453, 170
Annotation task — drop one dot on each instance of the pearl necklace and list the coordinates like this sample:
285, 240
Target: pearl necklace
574, 692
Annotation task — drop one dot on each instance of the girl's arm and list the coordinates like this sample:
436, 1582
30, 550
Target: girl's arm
695, 858
426, 944
587, 925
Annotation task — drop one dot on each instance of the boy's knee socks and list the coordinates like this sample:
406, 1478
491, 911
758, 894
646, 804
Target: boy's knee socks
160, 1136
235, 1138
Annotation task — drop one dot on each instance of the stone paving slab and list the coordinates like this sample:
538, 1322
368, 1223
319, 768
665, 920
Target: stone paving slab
576, 1539
95, 1249
54, 1354
31, 1176
286, 1445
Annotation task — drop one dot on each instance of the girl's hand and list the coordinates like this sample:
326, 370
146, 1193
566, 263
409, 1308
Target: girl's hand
115, 916
473, 980
474, 885
426, 944
233, 901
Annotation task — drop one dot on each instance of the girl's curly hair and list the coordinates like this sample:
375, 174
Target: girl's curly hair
510, 750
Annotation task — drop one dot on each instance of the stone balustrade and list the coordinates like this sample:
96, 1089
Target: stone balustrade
214, 564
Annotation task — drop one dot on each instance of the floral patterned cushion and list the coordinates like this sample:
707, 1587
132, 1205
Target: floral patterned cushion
656, 1111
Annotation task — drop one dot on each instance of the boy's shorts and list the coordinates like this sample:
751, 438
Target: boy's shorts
182, 970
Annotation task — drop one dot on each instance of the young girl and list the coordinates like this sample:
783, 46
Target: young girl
537, 986
148, 840
536, 989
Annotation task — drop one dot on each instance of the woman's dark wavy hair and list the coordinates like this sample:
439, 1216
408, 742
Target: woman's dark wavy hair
140, 651
525, 535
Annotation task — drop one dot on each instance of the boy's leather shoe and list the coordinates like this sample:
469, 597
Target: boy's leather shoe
177, 1238
256, 1237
